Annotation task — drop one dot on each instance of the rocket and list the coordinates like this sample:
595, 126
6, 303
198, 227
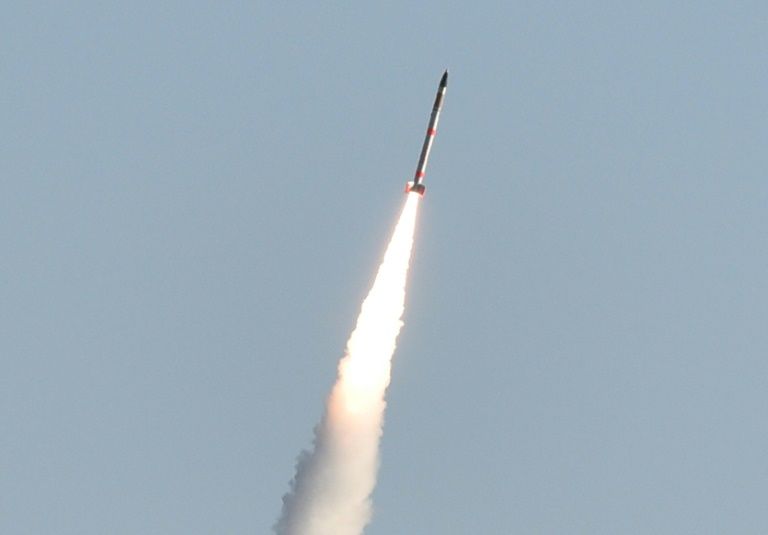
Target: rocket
421, 169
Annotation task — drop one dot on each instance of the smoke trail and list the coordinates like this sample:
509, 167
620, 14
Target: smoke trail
330, 494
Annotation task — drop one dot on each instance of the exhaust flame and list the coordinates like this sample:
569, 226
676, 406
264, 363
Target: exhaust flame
331, 491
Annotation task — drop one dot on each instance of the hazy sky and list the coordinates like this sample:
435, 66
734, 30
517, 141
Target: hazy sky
194, 197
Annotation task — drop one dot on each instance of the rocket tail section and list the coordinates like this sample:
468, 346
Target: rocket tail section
414, 187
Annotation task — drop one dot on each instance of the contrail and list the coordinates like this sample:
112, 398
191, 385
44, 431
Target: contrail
331, 492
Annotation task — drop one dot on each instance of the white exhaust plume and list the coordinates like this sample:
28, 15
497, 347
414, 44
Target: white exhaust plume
330, 494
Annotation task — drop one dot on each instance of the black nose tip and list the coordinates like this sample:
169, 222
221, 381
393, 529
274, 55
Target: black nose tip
444, 79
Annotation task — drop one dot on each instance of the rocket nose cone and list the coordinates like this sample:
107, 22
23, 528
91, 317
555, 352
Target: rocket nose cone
444, 79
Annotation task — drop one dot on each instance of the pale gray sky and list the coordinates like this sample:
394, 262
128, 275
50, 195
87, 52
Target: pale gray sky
193, 198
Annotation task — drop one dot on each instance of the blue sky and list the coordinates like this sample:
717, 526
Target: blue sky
193, 200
